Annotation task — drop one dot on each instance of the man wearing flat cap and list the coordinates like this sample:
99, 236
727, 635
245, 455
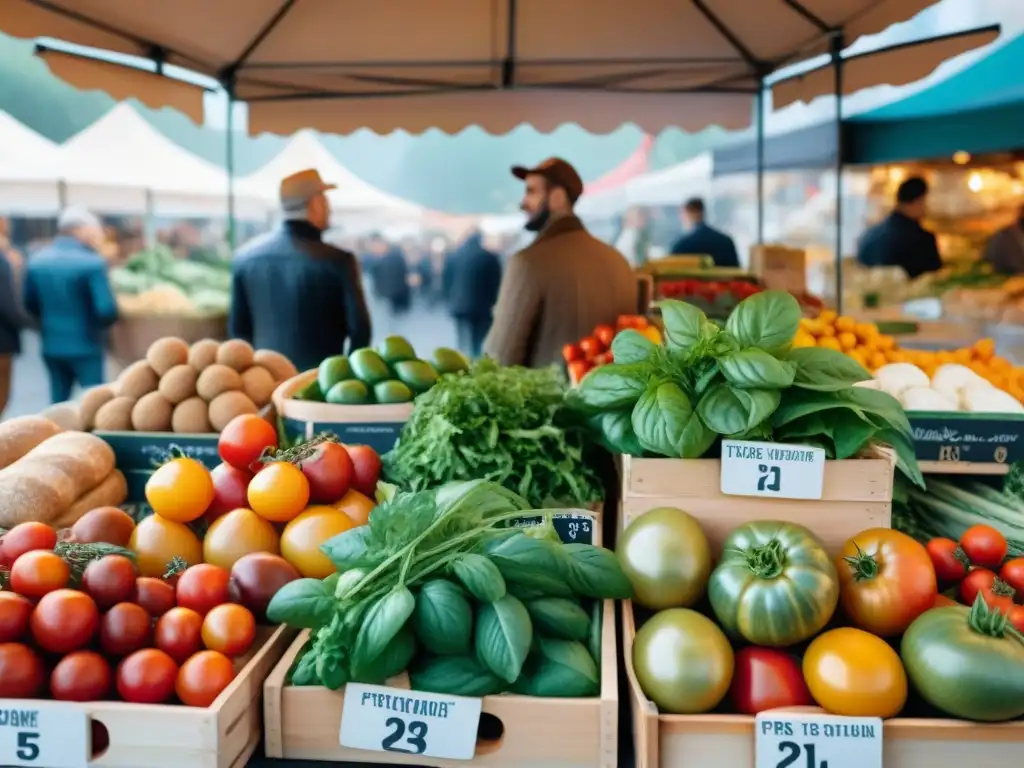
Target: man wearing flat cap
565, 283
292, 292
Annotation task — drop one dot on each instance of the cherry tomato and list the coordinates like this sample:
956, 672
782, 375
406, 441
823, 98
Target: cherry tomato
984, 545
577, 370
147, 677
571, 353
15, 611
202, 678
203, 587
1016, 617
81, 676
604, 358
1012, 573
22, 672
110, 580
604, 334
244, 439
25, 537
64, 621
591, 347
155, 595
230, 629
229, 489
948, 559
365, 469
329, 471
279, 492
124, 629
767, 678
981, 581
180, 491
39, 572
179, 633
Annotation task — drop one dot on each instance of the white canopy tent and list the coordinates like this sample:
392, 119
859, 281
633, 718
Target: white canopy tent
122, 164
28, 170
672, 185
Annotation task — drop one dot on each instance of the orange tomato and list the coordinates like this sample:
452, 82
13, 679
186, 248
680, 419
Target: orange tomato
884, 343
984, 349
852, 673
829, 342
38, 573
180, 490
202, 678
237, 534
652, 333
827, 331
803, 339
356, 506
229, 628
877, 360
847, 340
279, 492
157, 540
302, 537
845, 324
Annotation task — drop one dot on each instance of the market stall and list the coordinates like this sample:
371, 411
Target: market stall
29, 171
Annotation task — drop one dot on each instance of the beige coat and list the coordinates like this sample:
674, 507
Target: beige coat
555, 292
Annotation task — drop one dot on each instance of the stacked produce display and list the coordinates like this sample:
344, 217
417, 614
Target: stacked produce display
154, 282
596, 349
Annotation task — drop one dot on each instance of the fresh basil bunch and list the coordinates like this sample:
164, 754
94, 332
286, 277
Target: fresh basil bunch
743, 382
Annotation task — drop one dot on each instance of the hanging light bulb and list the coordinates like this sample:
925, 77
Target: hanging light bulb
975, 182
961, 157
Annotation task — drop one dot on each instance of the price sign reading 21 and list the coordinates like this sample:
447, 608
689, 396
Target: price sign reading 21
817, 741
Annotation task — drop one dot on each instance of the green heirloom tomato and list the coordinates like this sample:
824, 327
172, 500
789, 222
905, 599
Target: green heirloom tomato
683, 662
666, 558
775, 585
968, 662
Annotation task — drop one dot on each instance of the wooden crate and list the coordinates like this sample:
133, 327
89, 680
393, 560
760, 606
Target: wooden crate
302, 723
720, 741
223, 735
857, 495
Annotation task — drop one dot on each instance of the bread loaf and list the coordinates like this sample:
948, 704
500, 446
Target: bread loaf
20, 435
110, 493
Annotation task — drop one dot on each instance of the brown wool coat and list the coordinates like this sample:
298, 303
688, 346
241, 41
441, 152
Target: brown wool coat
555, 292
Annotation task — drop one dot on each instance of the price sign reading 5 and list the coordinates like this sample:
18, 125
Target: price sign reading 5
817, 741
35, 733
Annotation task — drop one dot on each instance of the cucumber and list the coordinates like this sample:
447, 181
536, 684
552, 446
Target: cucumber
449, 360
369, 367
351, 392
395, 349
331, 371
392, 392
416, 375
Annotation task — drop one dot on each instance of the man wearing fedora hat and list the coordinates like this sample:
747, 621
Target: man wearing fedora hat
564, 284
292, 292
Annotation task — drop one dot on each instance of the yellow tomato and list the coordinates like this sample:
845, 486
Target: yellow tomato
803, 339
845, 324
853, 673
1000, 364
157, 540
181, 490
984, 349
884, 343
652, 333
278, 492
896, 356
827, 331
877, 360
827, 316
858, 356
302, 537
236, 534
829, 342
865, 331
847, 340
356, 505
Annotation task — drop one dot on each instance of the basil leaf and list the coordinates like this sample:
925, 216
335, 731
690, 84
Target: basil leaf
354, 548
559, 617
731, 411
455, 675
596, 573
684, 324
906, 459
631, 346
479, 576
392, 660
443, 619
303, 603
503, 637
614, 386
883, 405
304, 671
850, 434
660, 419
382, 622
825, 369
594, 638
563, 668
755, 369
534, 563
798, 403
768, 320
615, 432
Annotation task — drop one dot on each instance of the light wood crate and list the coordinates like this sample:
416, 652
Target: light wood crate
857, 495
727, 741
303, 723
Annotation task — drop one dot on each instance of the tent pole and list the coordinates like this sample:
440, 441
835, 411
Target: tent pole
760, 162
837, 63
230, 162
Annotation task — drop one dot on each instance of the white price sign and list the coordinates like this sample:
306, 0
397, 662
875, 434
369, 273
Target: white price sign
774, 470
410, 722
36, 733
817, 741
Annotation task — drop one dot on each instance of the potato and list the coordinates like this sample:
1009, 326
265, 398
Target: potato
152, 413
235, 354
191, 417
178, 384
228, 405
202, 354
136, 380
164, 354
258, 385
20, 435
115, 416
280, 367
216, 380
92, 401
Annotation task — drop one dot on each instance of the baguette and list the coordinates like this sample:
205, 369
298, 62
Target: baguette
20, 435
110, 493
83, 457
34, 492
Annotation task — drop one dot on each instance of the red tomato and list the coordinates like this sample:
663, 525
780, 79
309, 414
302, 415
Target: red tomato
110, 580
22, 672
81, 676
202, 587
886, 580
229, 490
179, 633
155, 595
25, 537
984, 545
981, 581
1012, 573
948, 559
64, 621
604, 334
365, 469
577, 370
39, 572
244, 439
147, 677
329, 471
591, 348
202, 678
230, 629
603, 359
767, 678
124, 629
15, 611
1016, 617
571, 353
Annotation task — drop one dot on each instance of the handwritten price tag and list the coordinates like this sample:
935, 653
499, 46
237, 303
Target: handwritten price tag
35, 733
772, 470
817, 741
